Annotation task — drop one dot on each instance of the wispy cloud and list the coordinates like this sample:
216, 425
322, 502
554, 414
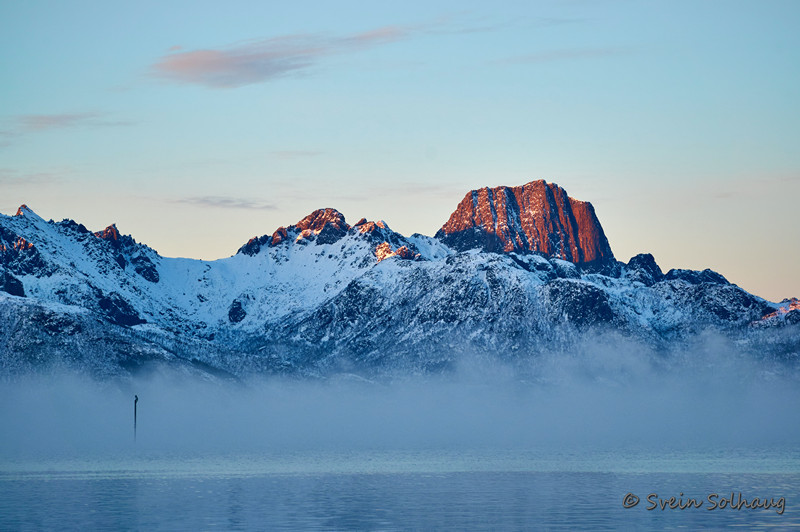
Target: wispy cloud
18, 126
564, 55
31, 123
225, 202
42, 122
12, 178
264, 60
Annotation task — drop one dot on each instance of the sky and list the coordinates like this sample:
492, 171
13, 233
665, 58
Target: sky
195, 126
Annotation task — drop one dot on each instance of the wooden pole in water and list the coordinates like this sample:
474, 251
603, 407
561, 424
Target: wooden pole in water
135, 400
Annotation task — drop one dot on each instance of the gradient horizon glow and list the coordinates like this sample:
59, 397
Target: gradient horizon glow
196, 125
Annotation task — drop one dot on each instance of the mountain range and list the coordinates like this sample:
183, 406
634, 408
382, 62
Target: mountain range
515, 272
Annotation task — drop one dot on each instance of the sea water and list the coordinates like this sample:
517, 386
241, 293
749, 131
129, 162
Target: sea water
404, 489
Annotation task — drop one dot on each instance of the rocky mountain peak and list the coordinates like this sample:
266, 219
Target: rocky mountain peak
643, 268
365, 226
109, 233
24, 210
317, 220
325, 226
535, 217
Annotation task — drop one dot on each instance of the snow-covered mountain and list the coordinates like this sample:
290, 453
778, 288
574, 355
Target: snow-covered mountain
514, 272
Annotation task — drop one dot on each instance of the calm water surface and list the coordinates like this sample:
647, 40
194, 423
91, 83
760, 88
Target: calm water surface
455, 489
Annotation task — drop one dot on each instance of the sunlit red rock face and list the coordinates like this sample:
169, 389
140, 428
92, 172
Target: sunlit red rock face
327, 224
109, 233
317, 220
537, 216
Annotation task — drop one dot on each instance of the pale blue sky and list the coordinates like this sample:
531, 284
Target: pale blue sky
196, 125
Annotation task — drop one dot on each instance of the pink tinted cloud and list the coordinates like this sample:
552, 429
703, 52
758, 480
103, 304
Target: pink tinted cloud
21, 125
32, 123
264, 60
52, 121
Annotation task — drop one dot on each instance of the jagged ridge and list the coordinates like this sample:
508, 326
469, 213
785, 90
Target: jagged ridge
322, 296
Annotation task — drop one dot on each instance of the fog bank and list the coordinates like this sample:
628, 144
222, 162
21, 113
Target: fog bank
605, 395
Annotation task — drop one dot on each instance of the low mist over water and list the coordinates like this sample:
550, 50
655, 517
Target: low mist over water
602, 396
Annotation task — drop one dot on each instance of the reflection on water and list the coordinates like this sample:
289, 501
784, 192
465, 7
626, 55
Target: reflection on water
380, 490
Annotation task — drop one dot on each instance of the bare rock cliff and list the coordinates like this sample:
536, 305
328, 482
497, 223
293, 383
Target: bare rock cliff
535, 217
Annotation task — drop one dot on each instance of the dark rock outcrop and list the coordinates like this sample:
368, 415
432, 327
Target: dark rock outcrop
535, 217
576, 302
255, 244
74, 226
127, 245
118, 311
643, 268
236, 312
11, 285
696, 277
20, 256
